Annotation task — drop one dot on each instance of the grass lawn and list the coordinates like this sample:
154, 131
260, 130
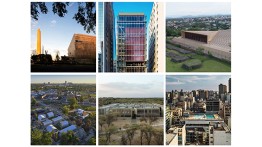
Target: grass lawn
209, 64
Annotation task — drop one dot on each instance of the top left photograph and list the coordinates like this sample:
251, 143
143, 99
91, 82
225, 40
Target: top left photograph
63, 37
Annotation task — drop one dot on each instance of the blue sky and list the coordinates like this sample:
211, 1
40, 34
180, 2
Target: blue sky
189, 83
178, 9
131, 86
57, 32
62, 78
132, 7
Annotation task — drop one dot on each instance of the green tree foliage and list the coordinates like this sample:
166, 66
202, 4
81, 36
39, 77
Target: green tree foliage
200, 51
87, 125
109, 131
65, 110
40, 138
110, 117
102, 121
130, 132
92, 141
47, 138
73, 103
81, 99
85, 15
173, 32
33, 102
69, 138
36, 136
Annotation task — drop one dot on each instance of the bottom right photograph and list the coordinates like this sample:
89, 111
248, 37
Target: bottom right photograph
198, 110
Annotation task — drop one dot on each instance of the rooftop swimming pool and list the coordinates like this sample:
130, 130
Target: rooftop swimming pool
202, 116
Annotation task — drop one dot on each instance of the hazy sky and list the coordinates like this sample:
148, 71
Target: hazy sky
178, 9
56, 32
189, 83
62, 78
131, 86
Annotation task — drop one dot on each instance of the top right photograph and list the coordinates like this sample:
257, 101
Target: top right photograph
198, 37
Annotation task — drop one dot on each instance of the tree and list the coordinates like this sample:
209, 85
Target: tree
65, 110
69, 138
81, 99
110, 117
123, 140
149, 131
33, 102
85, 15
57, 56
158, 137
47, 139
87, 125
200, 51
36, 136
142, 130
102, 121
130, 132
109, 131
40, 138
73, 103
92, 141
152, 119
79, 122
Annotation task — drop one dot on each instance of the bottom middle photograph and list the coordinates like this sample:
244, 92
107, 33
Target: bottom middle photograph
131, 109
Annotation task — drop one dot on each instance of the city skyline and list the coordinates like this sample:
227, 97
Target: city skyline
62, 78
56, 32
195, 82
180, 9
132, 86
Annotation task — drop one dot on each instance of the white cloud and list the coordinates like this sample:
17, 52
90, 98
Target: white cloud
53, 23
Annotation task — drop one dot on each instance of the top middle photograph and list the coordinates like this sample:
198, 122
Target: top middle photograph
131, 37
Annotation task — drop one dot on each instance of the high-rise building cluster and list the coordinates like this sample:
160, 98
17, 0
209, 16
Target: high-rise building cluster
199, 117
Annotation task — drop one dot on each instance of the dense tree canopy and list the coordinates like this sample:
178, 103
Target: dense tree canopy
86, 14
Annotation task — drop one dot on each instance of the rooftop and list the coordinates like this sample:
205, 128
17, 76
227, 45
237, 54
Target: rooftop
207, 33
129, 105
202, 117
170, 137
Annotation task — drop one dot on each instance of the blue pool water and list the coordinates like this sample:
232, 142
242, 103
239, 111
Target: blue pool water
203, 116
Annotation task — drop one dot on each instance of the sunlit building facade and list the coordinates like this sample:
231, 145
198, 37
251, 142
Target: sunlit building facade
156, 40
38, 42
83, 48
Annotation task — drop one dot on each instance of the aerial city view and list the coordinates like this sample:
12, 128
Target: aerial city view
130, 37
63, 110
198, 37
198, 110
131, 110
63, 37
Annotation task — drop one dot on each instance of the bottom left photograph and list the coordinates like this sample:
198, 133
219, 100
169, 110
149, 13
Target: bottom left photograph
63, 110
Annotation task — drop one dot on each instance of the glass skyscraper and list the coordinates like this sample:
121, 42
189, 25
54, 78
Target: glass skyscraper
131, 42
